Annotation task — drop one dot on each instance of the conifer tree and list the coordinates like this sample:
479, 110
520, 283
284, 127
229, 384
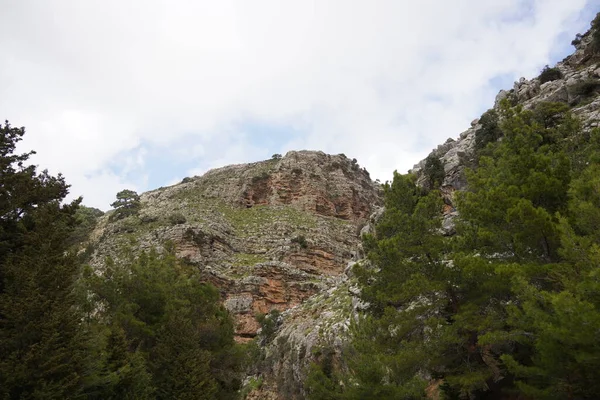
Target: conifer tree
174, 334
42, 343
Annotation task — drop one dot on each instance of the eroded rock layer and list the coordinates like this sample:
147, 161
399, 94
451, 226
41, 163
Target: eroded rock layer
269, 234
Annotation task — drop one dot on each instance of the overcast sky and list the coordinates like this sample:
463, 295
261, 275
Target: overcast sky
142, 93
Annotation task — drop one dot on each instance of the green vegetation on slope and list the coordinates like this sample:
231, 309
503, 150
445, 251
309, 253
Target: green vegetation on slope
43, 348
507, 306
145, 329
178, 339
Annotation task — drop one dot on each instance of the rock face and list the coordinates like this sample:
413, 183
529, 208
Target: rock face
283, 234
269, 234
323, 320
578, 70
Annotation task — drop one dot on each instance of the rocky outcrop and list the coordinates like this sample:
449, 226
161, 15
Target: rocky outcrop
269, 234
579, 87
327, 185
323, 320
283, 234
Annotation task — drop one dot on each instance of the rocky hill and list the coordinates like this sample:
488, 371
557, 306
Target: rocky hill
322, 323
282, 234
577, 83
269, 234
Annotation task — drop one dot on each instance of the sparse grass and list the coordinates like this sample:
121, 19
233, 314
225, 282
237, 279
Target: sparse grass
245, 259
255, 220
253, 384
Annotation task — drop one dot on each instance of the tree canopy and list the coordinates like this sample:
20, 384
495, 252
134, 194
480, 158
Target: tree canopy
509, 305
142, 328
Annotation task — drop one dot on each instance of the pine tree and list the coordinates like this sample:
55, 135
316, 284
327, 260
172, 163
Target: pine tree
42, 342
490, 309
173, 326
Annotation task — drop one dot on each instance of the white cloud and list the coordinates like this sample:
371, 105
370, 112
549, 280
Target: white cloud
382, 81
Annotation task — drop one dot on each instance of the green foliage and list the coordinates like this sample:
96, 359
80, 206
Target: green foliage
253, 384
550, 74
585, 89
269, 324
389, 347
300, 240
584, 204
596, 34
491, 311
86, 218
173, 325
42, 343
177, 218
434, 171
276, 156
127, 203
490, 130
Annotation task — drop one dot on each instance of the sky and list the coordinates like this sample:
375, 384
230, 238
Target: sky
139, 94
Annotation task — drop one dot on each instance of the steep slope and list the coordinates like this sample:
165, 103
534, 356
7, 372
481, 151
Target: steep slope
321, 325
283, 234
269, 234
577, 85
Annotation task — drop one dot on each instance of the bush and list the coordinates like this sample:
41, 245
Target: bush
490, 130
253, 384
199, 238
586, 88
301, 240
147, 219
596, 34
550, 114
187, 180
434, 171
268, 324
550, 74
276, 156
177, 219
263, 176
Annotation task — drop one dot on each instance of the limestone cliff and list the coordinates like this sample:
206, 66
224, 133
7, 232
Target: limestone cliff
283, 234
269, 234
323, 321
577, 85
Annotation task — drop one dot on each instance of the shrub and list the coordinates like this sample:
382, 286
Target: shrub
586, 88
550, 74
550, 114
263, 176
300, 240
269, 324
490, 130
187, 180
199, 238
253, 384
596, 34
276, 156
147, 219
434, 170
177, 219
